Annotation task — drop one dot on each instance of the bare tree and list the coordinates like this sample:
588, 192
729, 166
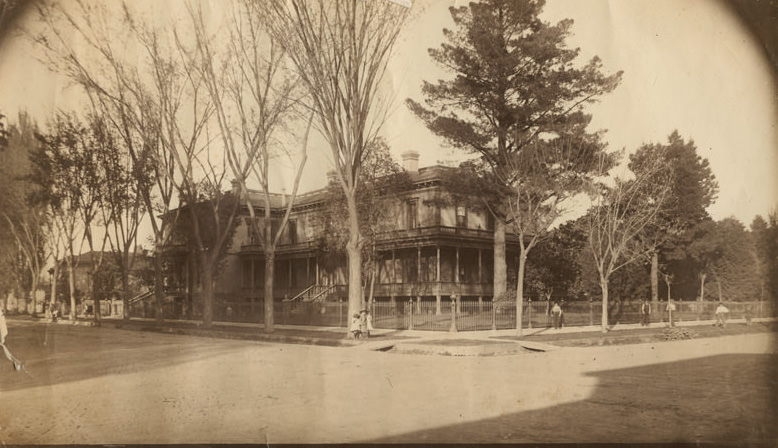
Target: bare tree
341, 50
247, 80
620, 214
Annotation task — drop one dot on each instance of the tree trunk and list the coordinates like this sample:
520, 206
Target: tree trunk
500, 274
373, 275
604, 320
270, 258
655, 278
354, 263
718, 284
95, 299
34, 295
72, 287
126, 290
159, 284
702, 287
53, 280
206, 284
520, 290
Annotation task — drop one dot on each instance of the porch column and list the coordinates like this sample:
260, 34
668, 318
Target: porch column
394, 268
437, 281
316, 265
251, 284
418, 264
290, 274
307, 270
418, 304
480, 267
456, 271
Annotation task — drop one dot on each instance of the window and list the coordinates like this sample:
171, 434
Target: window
292, 224
489, 221
413, 214
461, 216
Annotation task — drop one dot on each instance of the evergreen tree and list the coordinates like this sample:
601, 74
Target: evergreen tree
516, 100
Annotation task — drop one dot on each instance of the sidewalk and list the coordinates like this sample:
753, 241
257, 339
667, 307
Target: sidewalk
465, 342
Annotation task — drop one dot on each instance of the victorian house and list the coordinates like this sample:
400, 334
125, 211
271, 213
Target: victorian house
436, 248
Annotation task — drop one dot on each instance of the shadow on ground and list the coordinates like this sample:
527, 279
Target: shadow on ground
718, 399
54, 354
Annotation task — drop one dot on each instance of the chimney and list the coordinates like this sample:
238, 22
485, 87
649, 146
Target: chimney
236, 187
410, 161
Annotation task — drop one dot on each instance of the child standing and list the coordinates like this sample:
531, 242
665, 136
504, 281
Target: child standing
356, 326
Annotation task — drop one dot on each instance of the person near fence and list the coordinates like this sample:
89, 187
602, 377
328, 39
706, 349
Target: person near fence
645, 313
748, 315
721, 315
363, 323
368, 322
556, 315
356, 326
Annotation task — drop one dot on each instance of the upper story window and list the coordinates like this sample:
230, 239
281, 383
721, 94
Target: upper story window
413, 214
461, 216
292, 224
489, 221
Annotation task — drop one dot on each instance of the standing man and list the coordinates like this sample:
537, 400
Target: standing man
556, 315
645, 313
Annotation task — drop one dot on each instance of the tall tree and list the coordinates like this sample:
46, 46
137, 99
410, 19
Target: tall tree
25, 222
517, 101
246, 80
621, 212
705, 250
341, 50
382, 179
693, 190
736, 271
119, 87
64, 180
121, 206
765, 235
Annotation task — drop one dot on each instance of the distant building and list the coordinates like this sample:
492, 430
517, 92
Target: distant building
109, 287
433, 251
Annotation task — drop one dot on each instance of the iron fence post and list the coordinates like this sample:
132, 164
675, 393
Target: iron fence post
494, 316
453, 328
410, 314
591, 313
340, 312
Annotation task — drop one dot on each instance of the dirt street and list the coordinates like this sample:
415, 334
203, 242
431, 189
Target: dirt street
109, 386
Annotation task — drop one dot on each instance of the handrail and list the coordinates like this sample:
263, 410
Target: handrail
141, 296
324, 291
302, 293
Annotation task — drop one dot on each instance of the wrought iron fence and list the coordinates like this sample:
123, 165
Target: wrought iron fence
469, 315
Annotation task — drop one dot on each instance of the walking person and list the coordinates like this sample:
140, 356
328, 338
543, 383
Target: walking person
645, 313
556, 315
721, 315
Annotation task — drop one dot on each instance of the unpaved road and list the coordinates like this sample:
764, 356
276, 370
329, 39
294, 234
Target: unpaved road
108, 386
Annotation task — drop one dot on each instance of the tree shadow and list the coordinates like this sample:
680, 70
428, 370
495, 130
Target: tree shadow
55, 354
719, 399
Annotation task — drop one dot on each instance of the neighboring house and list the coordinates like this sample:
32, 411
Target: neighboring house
434, 251
109, 287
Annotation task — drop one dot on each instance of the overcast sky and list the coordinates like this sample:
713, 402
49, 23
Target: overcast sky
688, 65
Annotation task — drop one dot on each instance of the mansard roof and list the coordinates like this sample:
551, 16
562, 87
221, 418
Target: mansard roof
425, 176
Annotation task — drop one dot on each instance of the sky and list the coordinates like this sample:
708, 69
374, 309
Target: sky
689, 66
